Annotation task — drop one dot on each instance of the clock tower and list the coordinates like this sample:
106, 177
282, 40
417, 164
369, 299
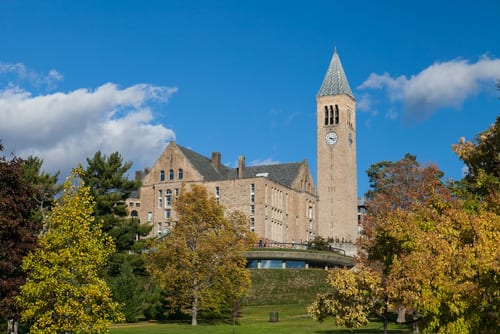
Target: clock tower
336, 156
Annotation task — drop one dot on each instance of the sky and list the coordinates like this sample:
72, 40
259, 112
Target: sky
241, 78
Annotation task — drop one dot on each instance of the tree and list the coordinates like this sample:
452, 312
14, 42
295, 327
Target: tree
106, 177
110, 187
18, 234
63, 292
201, 265
45, 185
482, 159
355, 295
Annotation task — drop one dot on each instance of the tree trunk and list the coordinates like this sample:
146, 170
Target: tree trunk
12, 326
194, 310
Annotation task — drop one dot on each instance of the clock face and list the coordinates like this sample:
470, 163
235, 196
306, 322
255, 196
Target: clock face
331, 138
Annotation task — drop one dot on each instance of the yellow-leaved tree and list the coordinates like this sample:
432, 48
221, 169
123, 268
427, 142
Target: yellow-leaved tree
201, 264
63, 292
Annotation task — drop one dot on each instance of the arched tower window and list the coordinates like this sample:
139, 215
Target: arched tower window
326, 115
336, 114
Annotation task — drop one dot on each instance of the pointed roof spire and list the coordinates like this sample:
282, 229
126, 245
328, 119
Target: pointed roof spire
335, 81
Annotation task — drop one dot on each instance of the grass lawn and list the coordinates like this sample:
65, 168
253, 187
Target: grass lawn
292, 319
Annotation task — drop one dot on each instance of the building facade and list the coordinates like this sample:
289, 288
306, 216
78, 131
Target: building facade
280, 200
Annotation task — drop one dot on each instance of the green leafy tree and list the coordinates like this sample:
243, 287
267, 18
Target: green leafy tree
18, 234
201, 264
63, 292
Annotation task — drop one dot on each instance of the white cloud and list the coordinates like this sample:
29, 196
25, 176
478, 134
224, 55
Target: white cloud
19, 73
66, 128
441, 85
263, 162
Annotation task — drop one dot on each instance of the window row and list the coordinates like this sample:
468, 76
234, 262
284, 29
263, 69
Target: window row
171, 174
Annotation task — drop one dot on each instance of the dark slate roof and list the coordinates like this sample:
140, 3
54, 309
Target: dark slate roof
204, 166
335, 81
283, 174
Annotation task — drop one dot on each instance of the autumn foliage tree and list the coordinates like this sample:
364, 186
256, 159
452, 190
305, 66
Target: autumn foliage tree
63, 292
201, 265
18, 233
434, 244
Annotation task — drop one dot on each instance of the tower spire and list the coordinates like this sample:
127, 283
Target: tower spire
335, 81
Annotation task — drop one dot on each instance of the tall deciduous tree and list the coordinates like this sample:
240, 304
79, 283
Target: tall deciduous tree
201, 264
63, 292
18, 233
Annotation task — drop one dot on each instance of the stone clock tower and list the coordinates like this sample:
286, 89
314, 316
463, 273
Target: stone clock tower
336, 156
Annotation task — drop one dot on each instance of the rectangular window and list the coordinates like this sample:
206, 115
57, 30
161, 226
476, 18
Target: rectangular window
252, 188
131, 204
252, 209
217, 194
176, 192
168, 214
150, 217
168, 198
159, 229
160, 198
137, 205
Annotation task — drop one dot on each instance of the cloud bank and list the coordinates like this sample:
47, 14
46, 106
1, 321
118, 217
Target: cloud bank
65, 128
441, 85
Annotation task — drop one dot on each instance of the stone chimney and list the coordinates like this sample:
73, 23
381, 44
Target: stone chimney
241, 166
215, 161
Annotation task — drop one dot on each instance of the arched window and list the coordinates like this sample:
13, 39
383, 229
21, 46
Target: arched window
180, 174
171, 175
336, 114
326, 115
162, 175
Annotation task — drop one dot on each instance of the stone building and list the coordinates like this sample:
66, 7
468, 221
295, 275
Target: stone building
280, 200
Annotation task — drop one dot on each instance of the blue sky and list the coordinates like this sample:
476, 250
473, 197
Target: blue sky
241, 78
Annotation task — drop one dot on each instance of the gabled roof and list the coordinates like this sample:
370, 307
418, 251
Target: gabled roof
204, 166
283, 174
335, 81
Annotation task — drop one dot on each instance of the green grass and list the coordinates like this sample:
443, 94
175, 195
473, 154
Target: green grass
292, 319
